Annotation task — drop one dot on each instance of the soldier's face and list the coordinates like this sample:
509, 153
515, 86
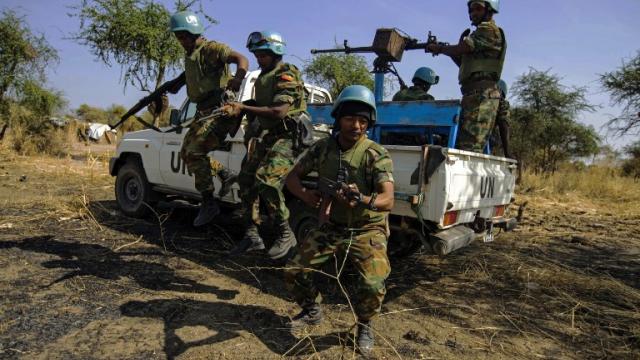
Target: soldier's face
353, 127
265, 59
476, 13
185, 39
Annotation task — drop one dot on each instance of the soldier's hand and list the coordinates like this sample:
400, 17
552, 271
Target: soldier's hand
234, 84
232, 109
312, 198
158, 106
346, 195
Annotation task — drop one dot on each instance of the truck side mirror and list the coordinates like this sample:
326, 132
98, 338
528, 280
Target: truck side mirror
174, 118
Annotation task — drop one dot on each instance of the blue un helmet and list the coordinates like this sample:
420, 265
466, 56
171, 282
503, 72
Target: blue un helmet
356, 95
503, 88
186, 21
493, 4
266, 40
427, 75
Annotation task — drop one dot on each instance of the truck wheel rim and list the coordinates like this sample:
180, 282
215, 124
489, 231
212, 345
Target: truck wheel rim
132, 190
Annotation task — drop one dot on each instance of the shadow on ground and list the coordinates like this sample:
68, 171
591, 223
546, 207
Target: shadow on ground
96, 260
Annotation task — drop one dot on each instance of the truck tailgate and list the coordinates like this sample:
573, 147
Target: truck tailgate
454, 182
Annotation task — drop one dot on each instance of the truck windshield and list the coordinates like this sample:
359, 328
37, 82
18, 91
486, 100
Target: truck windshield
188, 111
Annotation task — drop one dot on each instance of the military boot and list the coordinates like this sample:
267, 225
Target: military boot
227, 178
250, 242
310, 315
208, 210
285, 241
365, 338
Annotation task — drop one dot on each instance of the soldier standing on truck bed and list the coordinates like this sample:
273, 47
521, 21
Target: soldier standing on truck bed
422, 80
503, 119
206, 75
480, 56
274, 138
354, 221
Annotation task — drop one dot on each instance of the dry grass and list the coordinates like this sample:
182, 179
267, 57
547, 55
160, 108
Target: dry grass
46, 141
598, 184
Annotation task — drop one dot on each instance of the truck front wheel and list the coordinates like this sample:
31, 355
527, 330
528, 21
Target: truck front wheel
133, 191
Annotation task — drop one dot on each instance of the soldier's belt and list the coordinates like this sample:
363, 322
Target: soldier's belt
344, 228
478, 87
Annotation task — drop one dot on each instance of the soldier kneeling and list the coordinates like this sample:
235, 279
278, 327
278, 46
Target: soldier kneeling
353, 220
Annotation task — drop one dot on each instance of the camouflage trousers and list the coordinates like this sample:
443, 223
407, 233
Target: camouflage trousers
202, 138
367, 251
479, 110
502, 126
262, 176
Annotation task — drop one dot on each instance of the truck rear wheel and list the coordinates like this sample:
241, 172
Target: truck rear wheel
133, 191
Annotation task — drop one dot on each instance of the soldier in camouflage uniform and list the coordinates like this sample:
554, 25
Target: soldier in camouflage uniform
480, 56
503, 119
272, 141
422, 80
206, 76
353, 223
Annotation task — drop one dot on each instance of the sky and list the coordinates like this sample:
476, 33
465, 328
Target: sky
575, 39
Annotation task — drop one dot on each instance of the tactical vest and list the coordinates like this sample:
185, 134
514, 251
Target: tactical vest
359, 173
471, 64
265, 91
205, 83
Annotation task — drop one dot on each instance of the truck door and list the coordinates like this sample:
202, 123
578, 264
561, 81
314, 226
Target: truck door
172, 169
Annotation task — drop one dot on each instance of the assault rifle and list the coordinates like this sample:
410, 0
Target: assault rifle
329, 190
156, 95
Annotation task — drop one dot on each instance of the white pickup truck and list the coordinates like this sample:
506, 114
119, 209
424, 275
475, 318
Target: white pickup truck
445, 197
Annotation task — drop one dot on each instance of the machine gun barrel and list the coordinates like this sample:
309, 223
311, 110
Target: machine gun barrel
346, 50
388, 44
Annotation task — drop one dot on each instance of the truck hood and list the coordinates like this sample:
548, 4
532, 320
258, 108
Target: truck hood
146, 134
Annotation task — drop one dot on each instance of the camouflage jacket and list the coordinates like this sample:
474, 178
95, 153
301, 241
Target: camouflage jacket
413, 93
486, 60
366, 169
282, 85
207, 73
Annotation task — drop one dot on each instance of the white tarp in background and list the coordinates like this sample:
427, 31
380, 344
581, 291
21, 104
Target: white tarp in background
96, 131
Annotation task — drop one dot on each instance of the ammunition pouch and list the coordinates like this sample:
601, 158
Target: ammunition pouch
299, 127
304, 131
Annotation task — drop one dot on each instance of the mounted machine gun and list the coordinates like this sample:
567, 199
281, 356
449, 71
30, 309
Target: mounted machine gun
389, 44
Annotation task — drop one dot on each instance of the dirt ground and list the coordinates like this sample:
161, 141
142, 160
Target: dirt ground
81, 281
